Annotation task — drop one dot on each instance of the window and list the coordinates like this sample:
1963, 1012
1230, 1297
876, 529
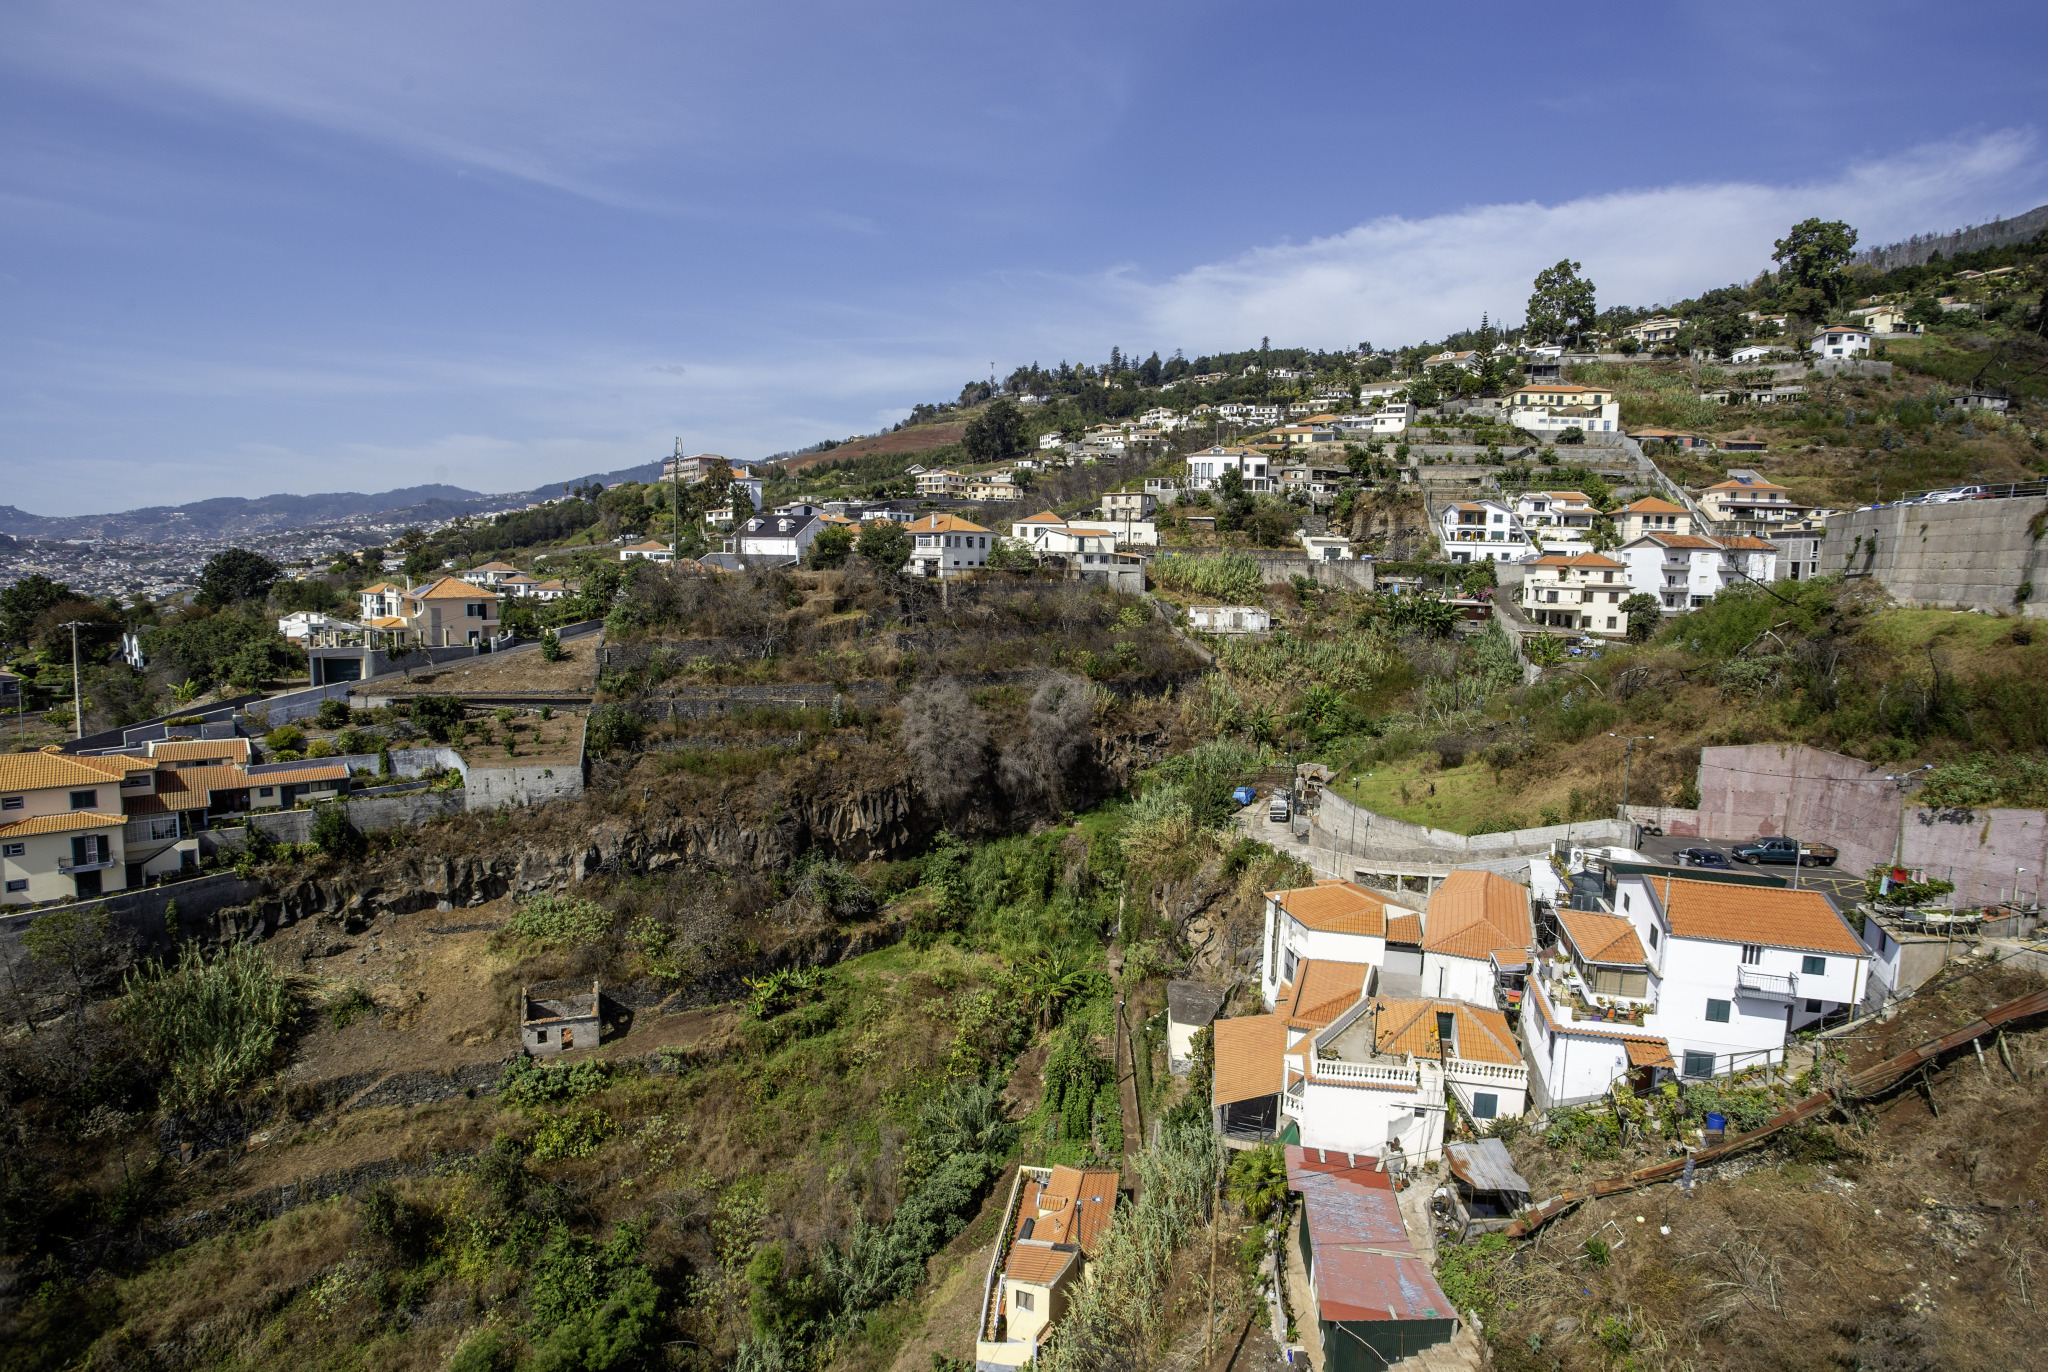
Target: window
1485, 1105
1812, 1006
1752, 954
265, 792
1610, 621
1653, 936
13, 849
14, 886
1022, 1299
1699, 1064
12, 802
1717, 1012
540, 1036
1289, 973
1814, 967
84, 800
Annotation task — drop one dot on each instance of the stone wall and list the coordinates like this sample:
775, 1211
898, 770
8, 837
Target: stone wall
1277, 567
367, 813
211, 910
1969, 555
490, 788
1362, 833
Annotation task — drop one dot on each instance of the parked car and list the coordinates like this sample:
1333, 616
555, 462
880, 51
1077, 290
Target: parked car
1785, 852
1702, 857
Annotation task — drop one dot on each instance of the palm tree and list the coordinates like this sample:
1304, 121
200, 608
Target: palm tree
1051, 980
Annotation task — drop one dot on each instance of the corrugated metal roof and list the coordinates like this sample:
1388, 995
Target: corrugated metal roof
1365, 1267
1193, 1002
1485, 1166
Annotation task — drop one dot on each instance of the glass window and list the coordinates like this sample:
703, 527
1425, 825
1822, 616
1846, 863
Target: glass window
1814, 967
13, 849
1699, 1064
1812, 1007
1717, 1012
1485, 1105
1752, 954
1653, 936
11, 802
14, 886
1023, 1299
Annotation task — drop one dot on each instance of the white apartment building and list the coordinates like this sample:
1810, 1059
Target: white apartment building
1582, 593
1483, 531
1205, 468
1690, 978
1685, 571
1554, 406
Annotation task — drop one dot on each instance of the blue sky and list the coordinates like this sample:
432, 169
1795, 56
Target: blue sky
259, 247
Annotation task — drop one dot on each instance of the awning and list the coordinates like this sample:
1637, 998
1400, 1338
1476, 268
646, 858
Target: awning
1649, 1053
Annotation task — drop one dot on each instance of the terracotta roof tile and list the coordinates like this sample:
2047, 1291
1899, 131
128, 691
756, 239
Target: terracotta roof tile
332, 771
1081, 1204
946, 524
1650, 504
1037, 1262
1336, 907
451, 588
1603, 938
119, 764
1473, 914
200, 749
58, 824
1649, 1053
1321, 991
1779, 918
42, 771
1481, 1035
1250, 1058
1404, 929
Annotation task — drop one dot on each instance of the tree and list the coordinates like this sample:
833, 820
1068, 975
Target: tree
335, 835
1644, 615
1424, 392
1561, 306
1815, 256
235, 575
831, 548
27, 601
997, 433
885, 544
742, 506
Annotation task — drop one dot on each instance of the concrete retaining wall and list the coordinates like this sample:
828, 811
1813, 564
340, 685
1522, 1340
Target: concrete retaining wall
1970, 555
1278, 568
135, 924
492, 787
367, 813
1359, 832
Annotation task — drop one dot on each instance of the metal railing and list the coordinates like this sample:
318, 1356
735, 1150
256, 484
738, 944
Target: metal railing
1784, 986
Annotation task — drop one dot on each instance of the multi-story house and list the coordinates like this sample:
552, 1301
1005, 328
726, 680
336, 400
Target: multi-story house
1557, 521
491, 574
776, 535
1583, 592
1661, 329
1746, 503
998, 488
1335, 922
944, 545
1483, 531
1691, 978
1685, 571
449, 611
1129, 503
1651, 515
1052, 1228
720, 516
1476, 938
1839, 340
943, 482
1555, 406
1205, 470
62, 828
1464, 361
1798, 550
381, 601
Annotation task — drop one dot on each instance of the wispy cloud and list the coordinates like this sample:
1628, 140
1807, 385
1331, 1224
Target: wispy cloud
1399, 280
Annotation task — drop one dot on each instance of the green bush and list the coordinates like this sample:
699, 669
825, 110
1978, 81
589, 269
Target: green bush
334, 834
613, 728
208, 1028
526, 1084
1230, 577
595, 1307
551, 649
333, 714
553, 920
285, 738
438, 715
574, 1135
490, 1349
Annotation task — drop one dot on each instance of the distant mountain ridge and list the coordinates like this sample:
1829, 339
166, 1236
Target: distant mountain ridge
239, 517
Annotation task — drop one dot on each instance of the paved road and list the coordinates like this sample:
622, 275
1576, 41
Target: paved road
1843, 886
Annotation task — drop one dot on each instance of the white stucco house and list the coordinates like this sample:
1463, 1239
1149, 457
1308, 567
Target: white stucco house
1483, 531
1685, 571
1840, 340
1476, 937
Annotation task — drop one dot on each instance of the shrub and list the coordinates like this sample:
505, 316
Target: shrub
525, 1084
285, 738
551, 649
1232, 577
332, 714
613, 728
553, 920
334, 834
438, 715
595, 1307
207, 1028
575, 1135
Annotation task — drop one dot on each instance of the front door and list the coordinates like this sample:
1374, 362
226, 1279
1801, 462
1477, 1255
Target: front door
88, 883
568, 1039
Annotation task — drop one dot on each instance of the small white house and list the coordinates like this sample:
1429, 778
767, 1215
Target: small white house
1333, 922
1483, 531
649, 551
1230, 619
945, 545
776, 535
1476, 938
1840, 340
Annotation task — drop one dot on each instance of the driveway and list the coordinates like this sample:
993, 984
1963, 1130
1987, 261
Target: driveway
1845, 887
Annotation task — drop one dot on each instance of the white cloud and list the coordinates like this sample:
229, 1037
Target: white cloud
1398, 280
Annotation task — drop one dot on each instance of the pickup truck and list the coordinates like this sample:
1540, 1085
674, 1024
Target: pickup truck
1785, 852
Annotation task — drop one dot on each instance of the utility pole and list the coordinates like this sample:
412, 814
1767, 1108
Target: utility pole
675, 486
1627, 767
77, 700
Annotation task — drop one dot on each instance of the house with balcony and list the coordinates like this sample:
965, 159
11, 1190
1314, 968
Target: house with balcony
491, 574
62, 829
942, 482
1476, 937
1662, 328
1557, 521
1129, 503
1554, 406
1651, 515
1053, 1227
1333, 922
448, 611
1687, 978
1840, 341
1747, 504
1205, 469
1685, 571
381, 601
1483, 531
944, 545
1582, 593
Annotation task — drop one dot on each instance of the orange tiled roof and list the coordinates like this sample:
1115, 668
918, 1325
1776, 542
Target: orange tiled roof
450, 588
1474, 914
119, 764
650, 546
1679, 541
1744, 543
380, 588
1754, 914
1336, 907
1650, 504
1744, 486
1043, 517
199, 749
1579, 560
946, 524
1404, 929
1649, 1053
41, 771
1603, 938
57, 824
1321, 991
495, 567
1081, 1203
333, 771
197, 781
1250, 1058
1037, 1262
1409, 1026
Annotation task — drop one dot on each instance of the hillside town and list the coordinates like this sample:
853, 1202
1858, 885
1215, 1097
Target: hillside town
1275, 857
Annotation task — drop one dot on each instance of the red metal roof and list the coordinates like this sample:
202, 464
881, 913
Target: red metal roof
1365, 1267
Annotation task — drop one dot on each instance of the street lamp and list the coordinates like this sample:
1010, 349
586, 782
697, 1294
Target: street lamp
1628, 764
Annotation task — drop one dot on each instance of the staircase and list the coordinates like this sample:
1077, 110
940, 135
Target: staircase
1464, 1353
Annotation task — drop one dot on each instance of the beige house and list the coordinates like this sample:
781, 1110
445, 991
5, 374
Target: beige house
943, 482
1662, 329
1651, 516
1751, 504
650, 551
451, 611
1583, 593
1129, 503
61, 828
994, 488
1053, 1226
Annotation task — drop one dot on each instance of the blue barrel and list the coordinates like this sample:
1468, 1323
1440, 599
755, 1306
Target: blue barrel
1716, 1123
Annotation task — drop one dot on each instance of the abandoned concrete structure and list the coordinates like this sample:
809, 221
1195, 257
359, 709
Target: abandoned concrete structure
554, 1018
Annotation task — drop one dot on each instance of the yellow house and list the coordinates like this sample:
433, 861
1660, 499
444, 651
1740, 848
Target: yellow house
450, 611
61, 828
1053, 1227
1651, 515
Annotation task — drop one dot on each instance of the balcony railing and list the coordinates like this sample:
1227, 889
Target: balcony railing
1465, 1069
67, 866
1779, 985
1401, 1075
